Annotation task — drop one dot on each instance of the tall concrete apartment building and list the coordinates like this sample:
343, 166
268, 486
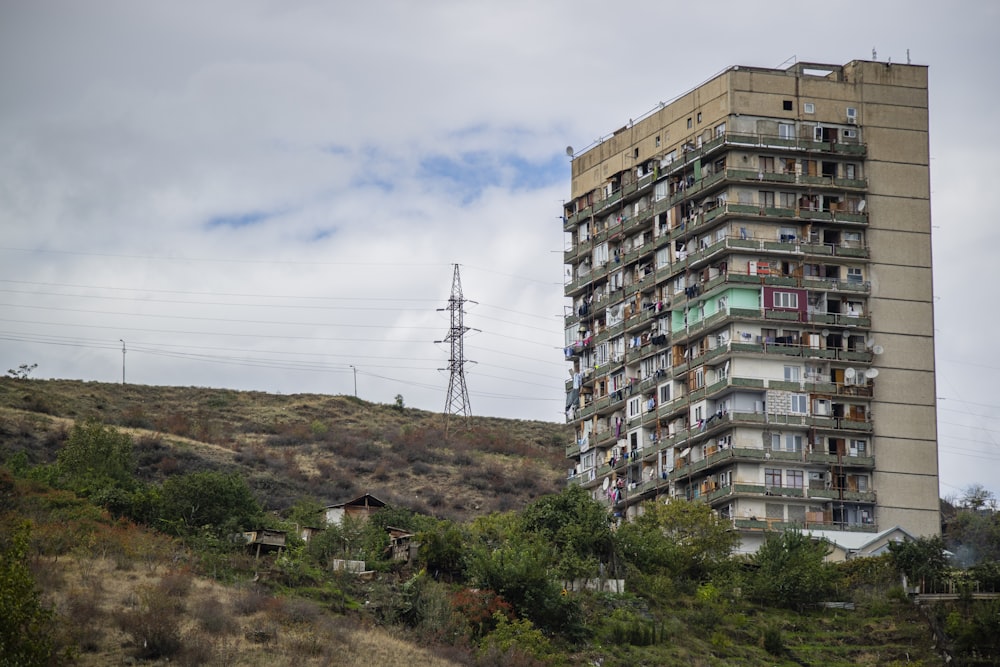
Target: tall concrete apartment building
752, 323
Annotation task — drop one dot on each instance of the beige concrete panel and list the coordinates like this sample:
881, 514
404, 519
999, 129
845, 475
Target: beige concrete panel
910, 352
900, 180
757, 104
919, 523
762, 82
895, 116
914, 492
902, 247
900, 213
891, 144
894, 96
900, 282
913, 387
873, 74
904, 421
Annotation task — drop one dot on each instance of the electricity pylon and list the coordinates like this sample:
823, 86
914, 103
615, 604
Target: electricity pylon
457, 401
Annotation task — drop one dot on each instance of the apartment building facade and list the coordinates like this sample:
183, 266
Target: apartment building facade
750, 308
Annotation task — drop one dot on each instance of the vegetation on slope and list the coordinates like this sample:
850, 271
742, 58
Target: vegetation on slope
121, 562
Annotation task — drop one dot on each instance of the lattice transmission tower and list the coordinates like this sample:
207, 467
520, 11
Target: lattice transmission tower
457, 401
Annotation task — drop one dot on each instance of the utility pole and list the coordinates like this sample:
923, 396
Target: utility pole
355, 381
123, 360
457, 401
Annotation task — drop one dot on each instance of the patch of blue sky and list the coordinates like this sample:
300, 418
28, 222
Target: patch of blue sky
473, 172
237, 220
335, 149
323, 234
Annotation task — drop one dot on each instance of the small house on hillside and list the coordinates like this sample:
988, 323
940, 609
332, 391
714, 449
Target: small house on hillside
265, 540
361, 507
846, 545
402, 546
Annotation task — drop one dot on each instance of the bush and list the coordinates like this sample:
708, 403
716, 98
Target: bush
772, 641
25, 623
212, 617
155, 626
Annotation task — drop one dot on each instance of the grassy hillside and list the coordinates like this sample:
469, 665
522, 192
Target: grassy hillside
331, 448
111, 591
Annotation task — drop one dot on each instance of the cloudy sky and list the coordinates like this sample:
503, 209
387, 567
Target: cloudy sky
271, 195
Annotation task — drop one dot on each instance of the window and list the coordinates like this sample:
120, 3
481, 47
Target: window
634, 407
766, 164
809, 107
657, 141
786, 300
772, 477
793, 443
699, 116
786, 199
720, 129
786, 105
850, 171
664, 393
858, 448
786, 131
774, 511
765, 199
794, 479
862, 482
690, 124
792, 373
635, 153
854, 275
797, 513
799, 403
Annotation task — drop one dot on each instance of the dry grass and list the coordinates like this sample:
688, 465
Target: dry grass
326, 447
98, 605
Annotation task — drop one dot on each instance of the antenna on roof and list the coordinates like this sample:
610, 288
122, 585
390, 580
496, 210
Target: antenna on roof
874, 54
907, 56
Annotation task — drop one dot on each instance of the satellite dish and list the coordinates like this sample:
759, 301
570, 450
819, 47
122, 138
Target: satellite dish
870, 341
871, 373
878, 349
861, 206
850, 373
569, 151
607, 483
824, 333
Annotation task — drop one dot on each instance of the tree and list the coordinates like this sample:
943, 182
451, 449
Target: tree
920, 559
791, 570
442, 550
977, 497
25, 624
96, 457
22, 372
220, 502
576, 526
679, 538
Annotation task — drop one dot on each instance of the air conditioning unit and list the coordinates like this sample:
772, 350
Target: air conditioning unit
852, 116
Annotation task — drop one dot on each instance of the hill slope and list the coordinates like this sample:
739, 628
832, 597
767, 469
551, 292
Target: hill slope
330, 448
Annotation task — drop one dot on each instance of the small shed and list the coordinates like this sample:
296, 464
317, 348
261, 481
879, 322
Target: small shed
265, 540
402, 547
361, 507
